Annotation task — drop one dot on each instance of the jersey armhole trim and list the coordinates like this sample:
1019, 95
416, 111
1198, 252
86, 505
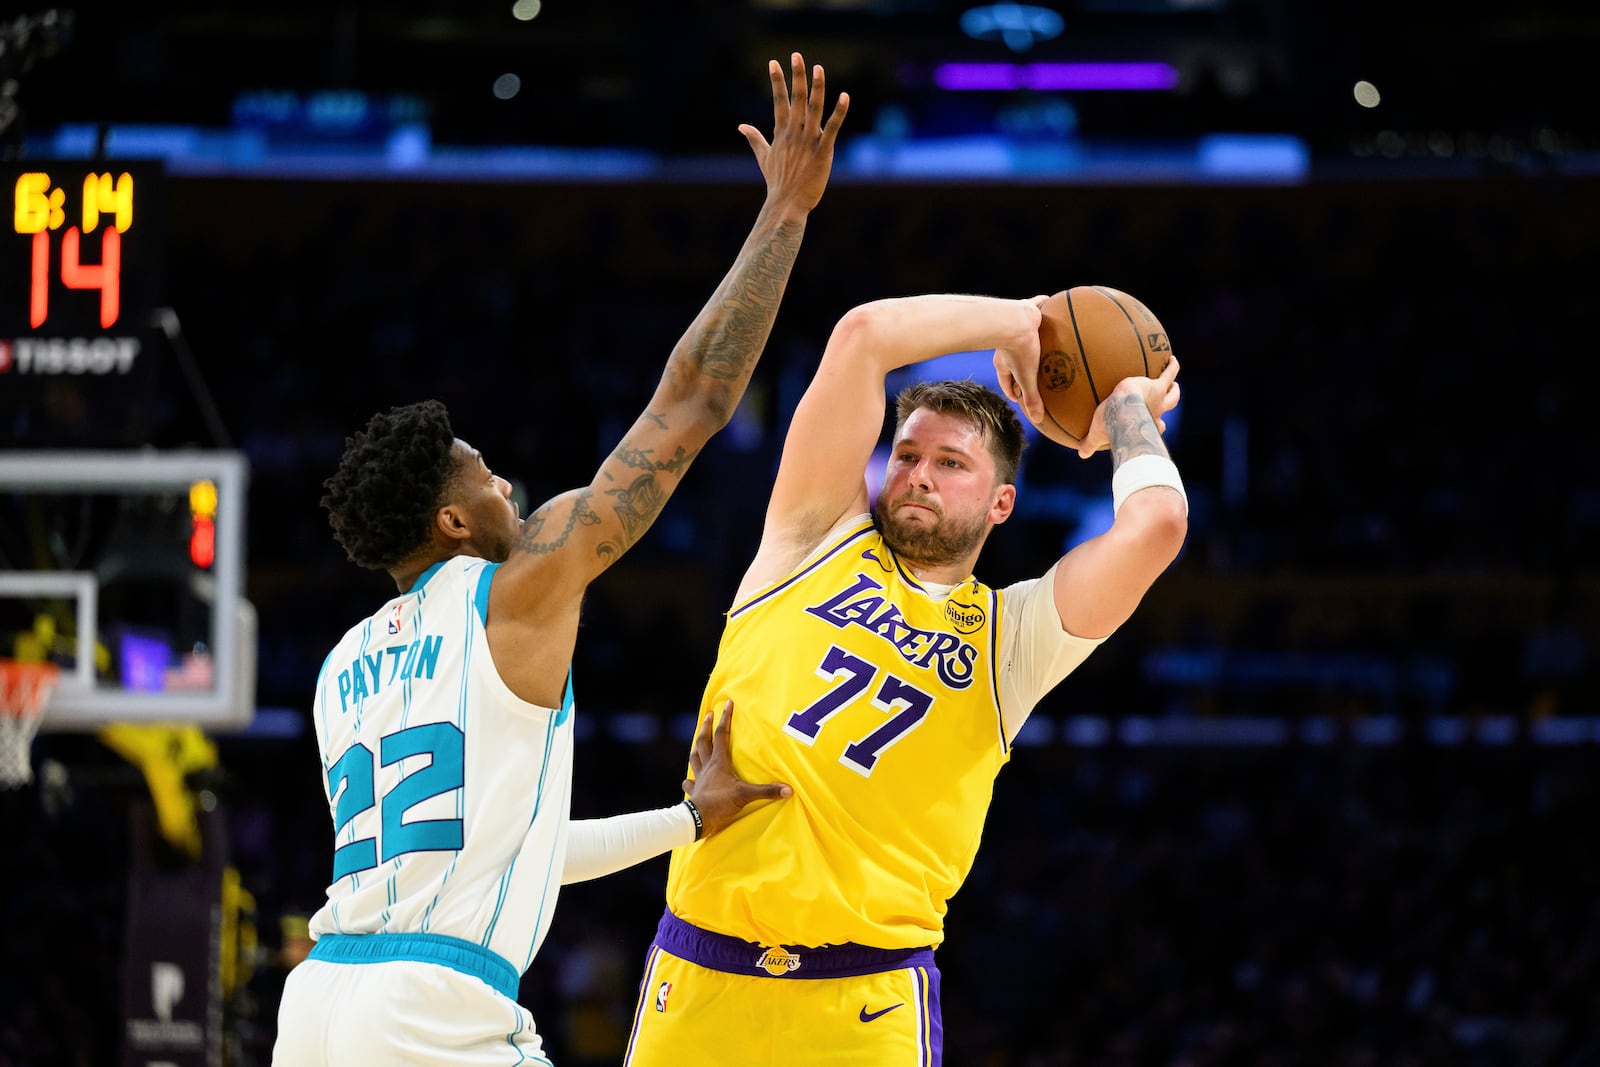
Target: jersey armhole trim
480, 599
818, 557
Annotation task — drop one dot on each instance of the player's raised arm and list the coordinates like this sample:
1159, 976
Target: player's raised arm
709, 368
1100, 582
838, 420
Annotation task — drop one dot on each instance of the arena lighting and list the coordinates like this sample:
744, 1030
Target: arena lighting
981, 77
1020, 26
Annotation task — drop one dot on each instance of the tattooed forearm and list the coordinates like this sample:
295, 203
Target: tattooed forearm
739, 317
641, 459
705, 377
1132, 430
533, 540
637, 506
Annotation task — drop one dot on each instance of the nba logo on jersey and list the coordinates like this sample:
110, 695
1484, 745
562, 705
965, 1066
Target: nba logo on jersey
661, 996
394, 620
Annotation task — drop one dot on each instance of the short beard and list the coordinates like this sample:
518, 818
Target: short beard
939, 545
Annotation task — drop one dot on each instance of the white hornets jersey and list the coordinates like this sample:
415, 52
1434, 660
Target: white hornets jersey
449, 794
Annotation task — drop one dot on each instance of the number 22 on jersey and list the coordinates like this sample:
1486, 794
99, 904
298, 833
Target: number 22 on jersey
356, 771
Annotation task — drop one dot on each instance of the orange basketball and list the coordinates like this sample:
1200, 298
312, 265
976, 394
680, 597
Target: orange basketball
1090, 338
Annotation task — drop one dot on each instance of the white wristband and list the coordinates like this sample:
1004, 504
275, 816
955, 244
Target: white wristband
1141, 472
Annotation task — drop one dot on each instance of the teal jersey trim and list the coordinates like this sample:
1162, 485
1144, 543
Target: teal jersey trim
422, 579
481, 601
461, 956
566, 702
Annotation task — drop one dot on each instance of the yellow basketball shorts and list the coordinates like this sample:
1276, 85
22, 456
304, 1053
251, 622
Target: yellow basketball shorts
707, 998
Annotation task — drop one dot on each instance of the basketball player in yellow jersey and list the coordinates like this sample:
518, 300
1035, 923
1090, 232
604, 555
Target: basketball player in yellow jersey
885, 683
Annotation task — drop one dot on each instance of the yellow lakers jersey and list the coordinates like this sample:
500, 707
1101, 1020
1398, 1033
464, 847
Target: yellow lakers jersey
875, 698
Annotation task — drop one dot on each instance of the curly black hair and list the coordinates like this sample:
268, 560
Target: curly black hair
393, 476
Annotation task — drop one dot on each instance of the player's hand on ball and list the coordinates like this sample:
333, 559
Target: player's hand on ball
719, 793
1160, 395
1016, 364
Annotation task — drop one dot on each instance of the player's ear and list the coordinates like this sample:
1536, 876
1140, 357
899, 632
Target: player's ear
1005, 502
451, 521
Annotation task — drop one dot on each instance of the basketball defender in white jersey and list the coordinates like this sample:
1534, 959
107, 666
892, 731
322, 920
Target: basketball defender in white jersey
444, 719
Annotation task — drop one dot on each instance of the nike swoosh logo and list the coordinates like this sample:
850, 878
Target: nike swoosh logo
867, 1016
866, 553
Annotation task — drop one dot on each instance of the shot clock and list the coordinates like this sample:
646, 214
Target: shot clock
81, 274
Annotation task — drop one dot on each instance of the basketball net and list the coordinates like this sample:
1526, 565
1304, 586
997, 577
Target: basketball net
25, 690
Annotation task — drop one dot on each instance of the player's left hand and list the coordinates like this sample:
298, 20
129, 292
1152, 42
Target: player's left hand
1160, 395
719, 793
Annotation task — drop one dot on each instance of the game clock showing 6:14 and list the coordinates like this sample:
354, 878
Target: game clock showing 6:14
81, 266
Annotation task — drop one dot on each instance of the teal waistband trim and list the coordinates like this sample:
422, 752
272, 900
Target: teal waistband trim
451, 952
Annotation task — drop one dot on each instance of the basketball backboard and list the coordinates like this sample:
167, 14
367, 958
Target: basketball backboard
127, 570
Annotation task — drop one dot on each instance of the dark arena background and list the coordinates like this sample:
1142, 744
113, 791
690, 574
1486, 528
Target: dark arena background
1328, 799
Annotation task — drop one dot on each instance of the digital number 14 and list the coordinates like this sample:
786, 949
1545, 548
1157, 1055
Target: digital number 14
37, 209
105, 276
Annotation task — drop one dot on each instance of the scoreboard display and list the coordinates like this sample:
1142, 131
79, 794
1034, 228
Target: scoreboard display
82, 274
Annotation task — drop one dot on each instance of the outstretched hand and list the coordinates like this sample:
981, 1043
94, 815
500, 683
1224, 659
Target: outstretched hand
719, 793
798, 161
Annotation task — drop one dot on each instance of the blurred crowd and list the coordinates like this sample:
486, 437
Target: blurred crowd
1393, 514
